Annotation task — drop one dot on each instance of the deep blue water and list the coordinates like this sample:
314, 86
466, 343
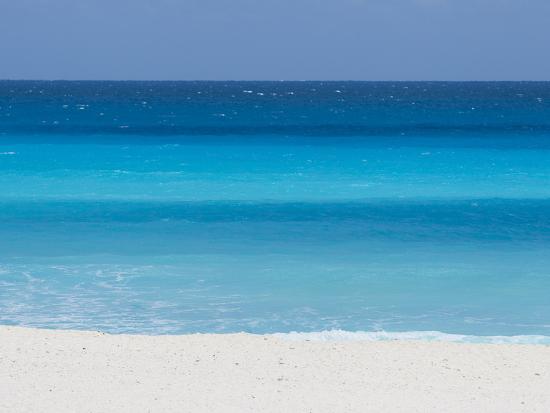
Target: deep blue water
175, 207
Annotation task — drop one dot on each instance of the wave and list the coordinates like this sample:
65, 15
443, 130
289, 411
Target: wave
417, 219
334, 132
342, 335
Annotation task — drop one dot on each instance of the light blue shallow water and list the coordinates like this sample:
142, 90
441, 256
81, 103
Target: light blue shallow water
277, 225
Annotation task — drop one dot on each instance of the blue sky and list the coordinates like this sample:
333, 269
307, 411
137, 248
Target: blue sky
275, 39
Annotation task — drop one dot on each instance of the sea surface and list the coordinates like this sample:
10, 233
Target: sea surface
335, 210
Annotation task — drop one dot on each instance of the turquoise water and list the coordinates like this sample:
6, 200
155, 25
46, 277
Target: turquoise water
306, 207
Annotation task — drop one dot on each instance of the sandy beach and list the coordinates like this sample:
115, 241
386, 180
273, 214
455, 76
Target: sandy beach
70, 371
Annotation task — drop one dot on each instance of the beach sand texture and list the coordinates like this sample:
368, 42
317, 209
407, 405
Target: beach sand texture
70, 371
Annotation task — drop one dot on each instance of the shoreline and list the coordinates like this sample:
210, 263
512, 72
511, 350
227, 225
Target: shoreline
65, 370
335, 335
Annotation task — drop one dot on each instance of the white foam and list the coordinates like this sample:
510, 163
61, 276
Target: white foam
342, 335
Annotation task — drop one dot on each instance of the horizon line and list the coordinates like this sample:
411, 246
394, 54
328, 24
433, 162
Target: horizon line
278, 81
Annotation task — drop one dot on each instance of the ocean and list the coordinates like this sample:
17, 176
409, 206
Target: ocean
316, 209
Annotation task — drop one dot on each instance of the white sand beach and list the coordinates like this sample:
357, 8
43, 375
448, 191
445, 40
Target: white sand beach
69, 371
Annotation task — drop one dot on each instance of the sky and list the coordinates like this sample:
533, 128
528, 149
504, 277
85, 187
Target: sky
275, 39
